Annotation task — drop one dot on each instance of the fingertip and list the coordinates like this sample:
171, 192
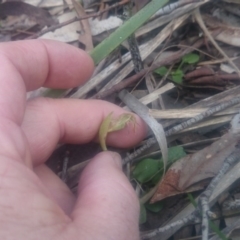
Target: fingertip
104, 176
103, 163
48, 63
106, 200
112, 159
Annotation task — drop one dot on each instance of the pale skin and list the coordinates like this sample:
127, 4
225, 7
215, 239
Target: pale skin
34, 203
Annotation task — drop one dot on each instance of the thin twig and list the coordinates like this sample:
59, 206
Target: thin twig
204, 197
183, 126
192, 218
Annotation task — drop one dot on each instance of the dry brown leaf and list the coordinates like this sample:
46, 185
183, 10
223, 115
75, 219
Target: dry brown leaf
226, 33
188, 173
37, 14
85, 37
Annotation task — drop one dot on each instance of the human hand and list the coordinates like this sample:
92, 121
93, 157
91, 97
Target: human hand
34, 203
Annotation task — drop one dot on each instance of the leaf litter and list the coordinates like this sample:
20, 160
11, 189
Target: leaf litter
194, 74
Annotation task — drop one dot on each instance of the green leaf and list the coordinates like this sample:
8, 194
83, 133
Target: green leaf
154, 207
156, 178
143, 214
177, 76
191, 58
152, 170
146, 169
175, 153
162, 71
123, 32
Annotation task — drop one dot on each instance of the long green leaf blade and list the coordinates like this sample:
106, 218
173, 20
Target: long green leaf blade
123, 32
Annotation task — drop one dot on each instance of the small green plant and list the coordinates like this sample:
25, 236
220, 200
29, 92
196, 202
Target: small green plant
146, 169
162, 71
155, 208
177, 75
148, 172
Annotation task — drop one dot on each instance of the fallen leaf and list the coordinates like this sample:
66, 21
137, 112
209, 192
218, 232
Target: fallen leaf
37, 14
186, 174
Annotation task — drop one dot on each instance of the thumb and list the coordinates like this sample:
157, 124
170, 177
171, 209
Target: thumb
107, 206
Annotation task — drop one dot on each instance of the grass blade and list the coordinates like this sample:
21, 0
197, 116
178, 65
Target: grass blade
123, 32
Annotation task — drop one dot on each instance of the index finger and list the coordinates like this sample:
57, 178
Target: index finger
27, 65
